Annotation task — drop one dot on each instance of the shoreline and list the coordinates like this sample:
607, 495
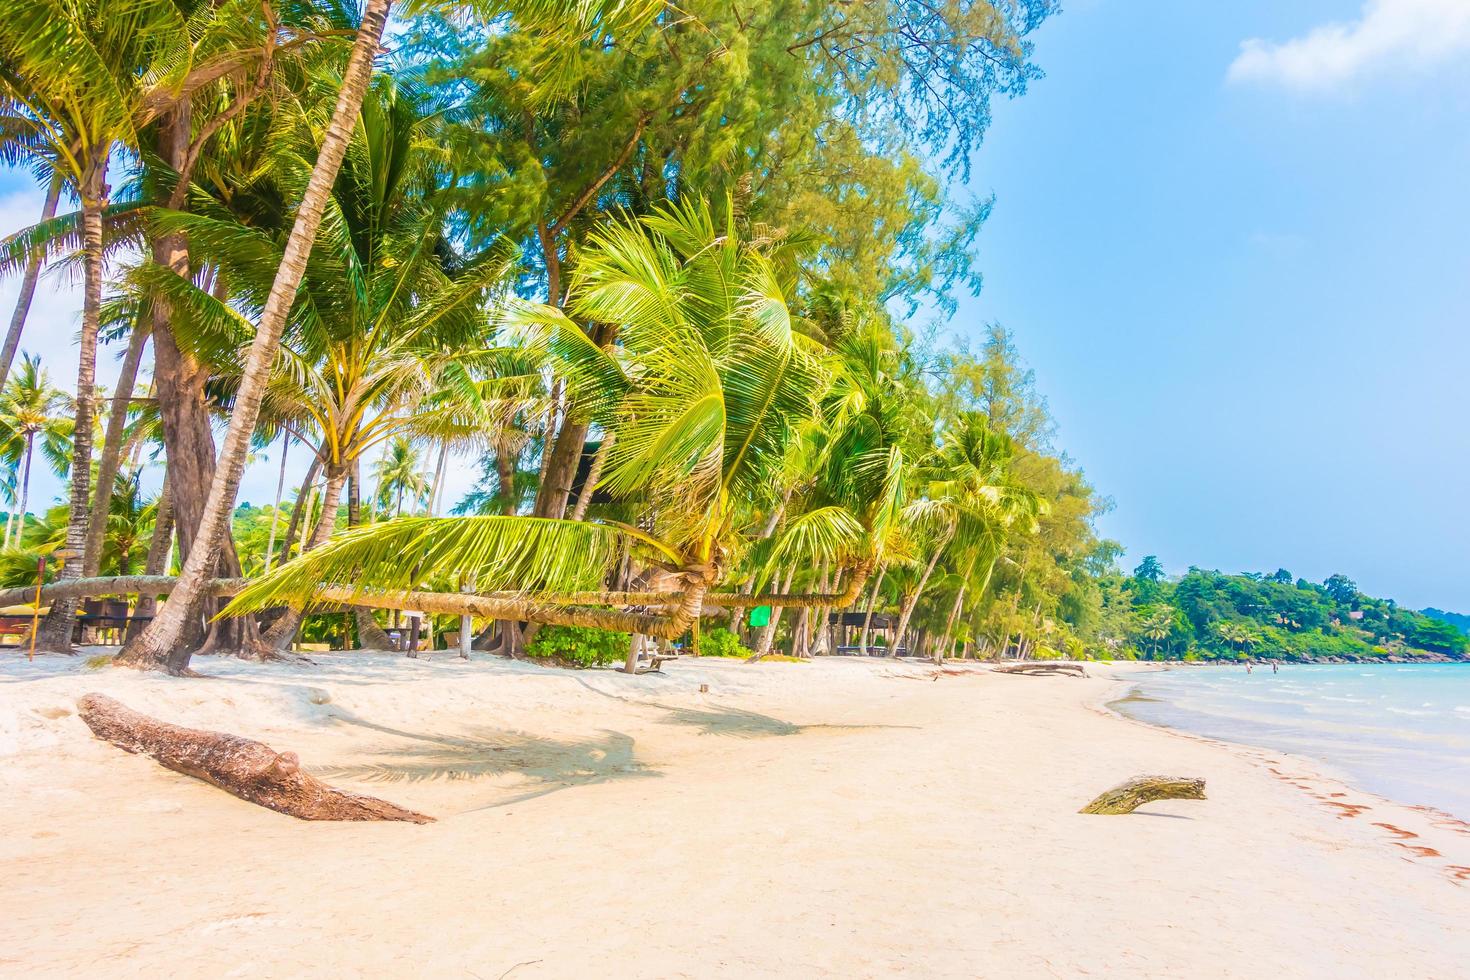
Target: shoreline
817, 819
1324, 784
1323, 769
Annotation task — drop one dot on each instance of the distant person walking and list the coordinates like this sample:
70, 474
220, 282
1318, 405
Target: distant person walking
1275, 666
1248, 668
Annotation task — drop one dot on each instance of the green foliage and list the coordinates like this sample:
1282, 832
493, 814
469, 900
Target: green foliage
1210, 615
722, 643
579, 646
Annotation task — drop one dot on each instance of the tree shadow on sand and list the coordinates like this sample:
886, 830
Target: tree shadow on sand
548, 764
736, 722
740, 723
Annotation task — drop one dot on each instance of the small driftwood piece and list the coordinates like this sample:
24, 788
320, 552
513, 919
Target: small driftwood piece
1129, 796
1037, 668
245, 768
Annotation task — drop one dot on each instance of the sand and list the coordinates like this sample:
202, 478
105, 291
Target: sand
839, 818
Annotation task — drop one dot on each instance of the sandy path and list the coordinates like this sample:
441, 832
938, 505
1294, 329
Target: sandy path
804, 820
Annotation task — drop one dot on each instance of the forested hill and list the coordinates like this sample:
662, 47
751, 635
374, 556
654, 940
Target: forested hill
1460, 621
1210, 615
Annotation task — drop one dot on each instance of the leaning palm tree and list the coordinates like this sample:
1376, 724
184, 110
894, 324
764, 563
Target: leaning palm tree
376, 346
703, 392
160, 645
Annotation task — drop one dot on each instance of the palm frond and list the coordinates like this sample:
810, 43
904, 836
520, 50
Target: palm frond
522, 554
827, 533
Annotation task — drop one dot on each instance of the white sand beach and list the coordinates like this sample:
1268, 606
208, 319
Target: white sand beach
836, 818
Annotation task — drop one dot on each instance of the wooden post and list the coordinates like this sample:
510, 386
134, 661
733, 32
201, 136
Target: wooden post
413, 635
36, 606
466, 624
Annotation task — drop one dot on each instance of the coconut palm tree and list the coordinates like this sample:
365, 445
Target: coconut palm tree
705, 389
159, 645
29, 407
376, 348
971, 502
398, 474
80, 81
1158, 626
129, 517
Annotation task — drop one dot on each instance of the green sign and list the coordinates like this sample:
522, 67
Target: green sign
760, 616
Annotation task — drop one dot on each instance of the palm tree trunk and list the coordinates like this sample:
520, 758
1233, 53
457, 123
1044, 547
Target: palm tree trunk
954, 612
56, 634
27, 289
159, 547
505, 471
768, 632
160, 645
594, 473
868, 616
302, 495
370, 636
283, 632
270, 547
307, 526
559, 465
910, 603
548, 444
112, 448
822, 628
179, 381
801, 639
436, 493
25, 486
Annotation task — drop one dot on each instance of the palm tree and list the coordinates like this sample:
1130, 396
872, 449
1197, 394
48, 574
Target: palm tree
1238, 635
128, 520
31, 407
1158, 626
704, 392
159, 645
974, 501
398, 473
377, 343
71, 80
80, 80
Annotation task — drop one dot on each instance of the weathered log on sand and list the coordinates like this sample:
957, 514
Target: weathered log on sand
1041, 667
248, 769
1129, 796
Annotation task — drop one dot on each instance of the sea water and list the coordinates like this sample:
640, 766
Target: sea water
1398, 730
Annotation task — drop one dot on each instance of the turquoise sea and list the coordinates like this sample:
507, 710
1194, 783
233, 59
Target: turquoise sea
1401, 731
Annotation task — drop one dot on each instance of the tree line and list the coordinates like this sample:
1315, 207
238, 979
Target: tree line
1207, 615
668, 276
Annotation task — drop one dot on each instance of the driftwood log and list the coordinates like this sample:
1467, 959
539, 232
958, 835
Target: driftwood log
248, 769
1129, 796
1036, 668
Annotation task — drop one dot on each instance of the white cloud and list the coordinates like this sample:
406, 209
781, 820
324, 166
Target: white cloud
1413, 34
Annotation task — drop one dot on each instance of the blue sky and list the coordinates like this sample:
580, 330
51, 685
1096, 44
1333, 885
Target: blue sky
1234, 242
1244, 281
